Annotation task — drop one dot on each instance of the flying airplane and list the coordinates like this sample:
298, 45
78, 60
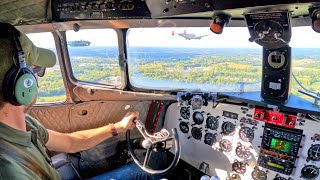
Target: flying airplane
189, 36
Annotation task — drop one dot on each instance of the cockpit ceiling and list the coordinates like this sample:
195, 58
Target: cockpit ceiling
23, 11
26, 12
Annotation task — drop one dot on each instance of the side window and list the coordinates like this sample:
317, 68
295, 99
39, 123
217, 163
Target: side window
94, 56
51, 87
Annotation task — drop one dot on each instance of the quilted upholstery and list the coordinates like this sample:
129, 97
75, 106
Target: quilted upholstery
100, 113
70, 118
23, 11
53, 117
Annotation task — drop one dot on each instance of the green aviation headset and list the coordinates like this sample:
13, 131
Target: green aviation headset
20, 86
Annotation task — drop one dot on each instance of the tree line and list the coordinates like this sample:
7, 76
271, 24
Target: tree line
213, 69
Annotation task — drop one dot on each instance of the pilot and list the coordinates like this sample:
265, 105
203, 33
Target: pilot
23, 139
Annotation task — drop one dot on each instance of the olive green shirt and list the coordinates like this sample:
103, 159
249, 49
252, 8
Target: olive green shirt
32, 143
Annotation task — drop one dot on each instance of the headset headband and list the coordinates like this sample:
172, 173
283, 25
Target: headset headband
19, 58
9, 31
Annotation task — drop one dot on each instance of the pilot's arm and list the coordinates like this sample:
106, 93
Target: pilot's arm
86, 139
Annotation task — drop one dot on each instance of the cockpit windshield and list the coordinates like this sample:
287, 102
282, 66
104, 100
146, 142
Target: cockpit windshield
196, 59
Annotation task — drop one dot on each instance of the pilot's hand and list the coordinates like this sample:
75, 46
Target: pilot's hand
127, 122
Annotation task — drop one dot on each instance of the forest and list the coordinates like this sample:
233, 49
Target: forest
212, 69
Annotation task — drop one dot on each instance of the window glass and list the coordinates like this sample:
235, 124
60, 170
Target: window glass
51, 87
198, 60
305, 45
94, 56
193, 59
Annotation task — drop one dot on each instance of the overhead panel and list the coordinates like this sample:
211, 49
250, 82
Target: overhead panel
106, 9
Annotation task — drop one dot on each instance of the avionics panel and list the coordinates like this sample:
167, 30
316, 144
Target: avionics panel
281, 140
279, 148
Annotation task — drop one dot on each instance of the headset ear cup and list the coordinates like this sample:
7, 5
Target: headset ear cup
26, 89
9, 84
20, 89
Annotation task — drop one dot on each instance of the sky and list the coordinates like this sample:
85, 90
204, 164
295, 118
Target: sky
233, 37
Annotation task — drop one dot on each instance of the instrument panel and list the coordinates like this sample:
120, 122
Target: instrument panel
246, 142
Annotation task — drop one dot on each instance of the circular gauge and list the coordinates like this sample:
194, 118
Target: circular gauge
314, 152
246, 134
239, 167
196, 133
258, 174
274, 79
212, 123
225, 145
268, 29
228, 128
184, 127
210, 138
279, 178
310, 172
185, 112
234, 177
198, 118
243, 152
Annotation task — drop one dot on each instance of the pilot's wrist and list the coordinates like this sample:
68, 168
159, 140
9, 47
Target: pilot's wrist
119, 128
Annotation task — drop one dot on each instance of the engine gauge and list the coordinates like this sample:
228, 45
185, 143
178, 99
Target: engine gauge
246, 134
184, 127
279, 178
196, 133
210, 138
198, 118
239, 167
234, 177
185, 112
228, 128
258, 174
225, 145
310, 172
314, 153
243, 152
212, 123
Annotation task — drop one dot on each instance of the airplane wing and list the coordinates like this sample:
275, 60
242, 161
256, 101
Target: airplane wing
199, 37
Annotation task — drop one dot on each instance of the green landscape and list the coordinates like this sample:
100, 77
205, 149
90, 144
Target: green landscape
209, 69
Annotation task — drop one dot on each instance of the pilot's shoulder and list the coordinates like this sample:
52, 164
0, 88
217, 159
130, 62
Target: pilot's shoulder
10, 169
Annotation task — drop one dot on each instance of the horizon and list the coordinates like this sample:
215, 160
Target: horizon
232, 37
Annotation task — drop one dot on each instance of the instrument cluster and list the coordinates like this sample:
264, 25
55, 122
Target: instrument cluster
245, 142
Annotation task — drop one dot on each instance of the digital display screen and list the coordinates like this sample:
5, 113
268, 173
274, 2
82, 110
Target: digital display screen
230, 115
275, 165
280, 145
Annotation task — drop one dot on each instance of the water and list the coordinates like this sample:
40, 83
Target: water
160, 54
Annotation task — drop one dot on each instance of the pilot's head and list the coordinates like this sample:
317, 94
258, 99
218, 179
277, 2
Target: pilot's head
18, 86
